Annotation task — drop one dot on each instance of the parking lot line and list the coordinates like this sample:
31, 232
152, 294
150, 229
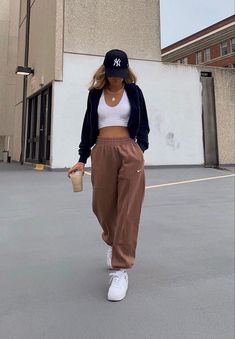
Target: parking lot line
190, 181
185, 181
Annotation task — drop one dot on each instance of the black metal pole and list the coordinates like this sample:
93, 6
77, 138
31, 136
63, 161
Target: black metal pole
24, 104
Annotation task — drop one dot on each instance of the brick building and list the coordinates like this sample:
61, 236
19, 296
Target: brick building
212, 46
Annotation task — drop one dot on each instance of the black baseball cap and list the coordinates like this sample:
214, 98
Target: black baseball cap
116, 63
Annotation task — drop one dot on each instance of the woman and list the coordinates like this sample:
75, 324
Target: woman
115, 118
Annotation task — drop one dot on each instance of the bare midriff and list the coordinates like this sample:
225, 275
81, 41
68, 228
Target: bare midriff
113, 131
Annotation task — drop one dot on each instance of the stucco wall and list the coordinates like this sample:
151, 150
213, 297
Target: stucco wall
45, 53
23, 10
42, 42
9, 17
17, 132
95, 26
45, 44
224, 82
17, 124
20, 62
173, 99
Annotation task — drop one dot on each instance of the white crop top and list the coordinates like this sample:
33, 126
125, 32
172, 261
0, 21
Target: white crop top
114, 116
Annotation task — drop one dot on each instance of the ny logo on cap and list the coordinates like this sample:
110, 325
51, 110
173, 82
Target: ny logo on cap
117, 62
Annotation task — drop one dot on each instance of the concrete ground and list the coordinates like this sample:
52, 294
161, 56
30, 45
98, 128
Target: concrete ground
53, 276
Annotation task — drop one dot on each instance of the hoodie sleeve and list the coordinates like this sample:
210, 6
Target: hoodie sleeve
84, 146
142, 135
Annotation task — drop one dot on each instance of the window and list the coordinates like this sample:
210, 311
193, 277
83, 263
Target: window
182, 61
207, 54
199, 57
223, 48
232, 45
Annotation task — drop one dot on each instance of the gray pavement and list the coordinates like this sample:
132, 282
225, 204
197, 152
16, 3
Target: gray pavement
53, 277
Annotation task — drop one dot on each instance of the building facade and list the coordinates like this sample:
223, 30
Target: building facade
64, 42
67, 41
9, 18
212, 46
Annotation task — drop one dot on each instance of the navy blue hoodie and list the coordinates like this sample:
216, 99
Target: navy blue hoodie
138, 124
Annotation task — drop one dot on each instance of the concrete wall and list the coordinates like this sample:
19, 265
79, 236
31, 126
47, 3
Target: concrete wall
17, 125
224, 82
95, 26
20, 58
2, 141
9, 17
42, 44
45, 43
23, 10
173, 98
17, 132
45, 53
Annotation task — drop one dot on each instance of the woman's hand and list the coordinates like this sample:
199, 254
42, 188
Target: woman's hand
79, 166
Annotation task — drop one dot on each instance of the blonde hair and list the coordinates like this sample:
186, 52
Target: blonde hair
99, 79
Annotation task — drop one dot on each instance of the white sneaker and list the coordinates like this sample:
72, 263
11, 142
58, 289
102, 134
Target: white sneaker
119, 284
109, 257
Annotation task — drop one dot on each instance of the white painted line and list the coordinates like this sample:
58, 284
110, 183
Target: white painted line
189, 181
185, 181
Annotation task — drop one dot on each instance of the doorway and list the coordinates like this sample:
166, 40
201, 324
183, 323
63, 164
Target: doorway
211, 158
38, 140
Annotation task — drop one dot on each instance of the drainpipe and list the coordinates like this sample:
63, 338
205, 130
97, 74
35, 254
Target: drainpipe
24, 105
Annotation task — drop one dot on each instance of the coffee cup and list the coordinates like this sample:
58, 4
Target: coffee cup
77, 181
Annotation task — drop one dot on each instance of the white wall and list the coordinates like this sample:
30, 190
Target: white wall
173, 99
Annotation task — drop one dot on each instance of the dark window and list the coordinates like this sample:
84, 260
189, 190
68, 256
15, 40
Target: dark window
232, 45
207, 54
223, 48
199, 57
230, 66
182, 61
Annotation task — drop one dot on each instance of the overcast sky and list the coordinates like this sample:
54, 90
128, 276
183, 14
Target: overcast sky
180, 18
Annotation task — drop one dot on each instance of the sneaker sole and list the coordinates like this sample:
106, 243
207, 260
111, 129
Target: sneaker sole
111, 299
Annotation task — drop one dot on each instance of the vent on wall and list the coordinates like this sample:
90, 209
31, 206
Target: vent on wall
206, 74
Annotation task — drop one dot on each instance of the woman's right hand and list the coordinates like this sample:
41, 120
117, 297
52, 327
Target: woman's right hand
79, 166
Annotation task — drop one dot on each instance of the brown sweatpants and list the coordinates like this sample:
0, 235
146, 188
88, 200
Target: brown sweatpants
118, 182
